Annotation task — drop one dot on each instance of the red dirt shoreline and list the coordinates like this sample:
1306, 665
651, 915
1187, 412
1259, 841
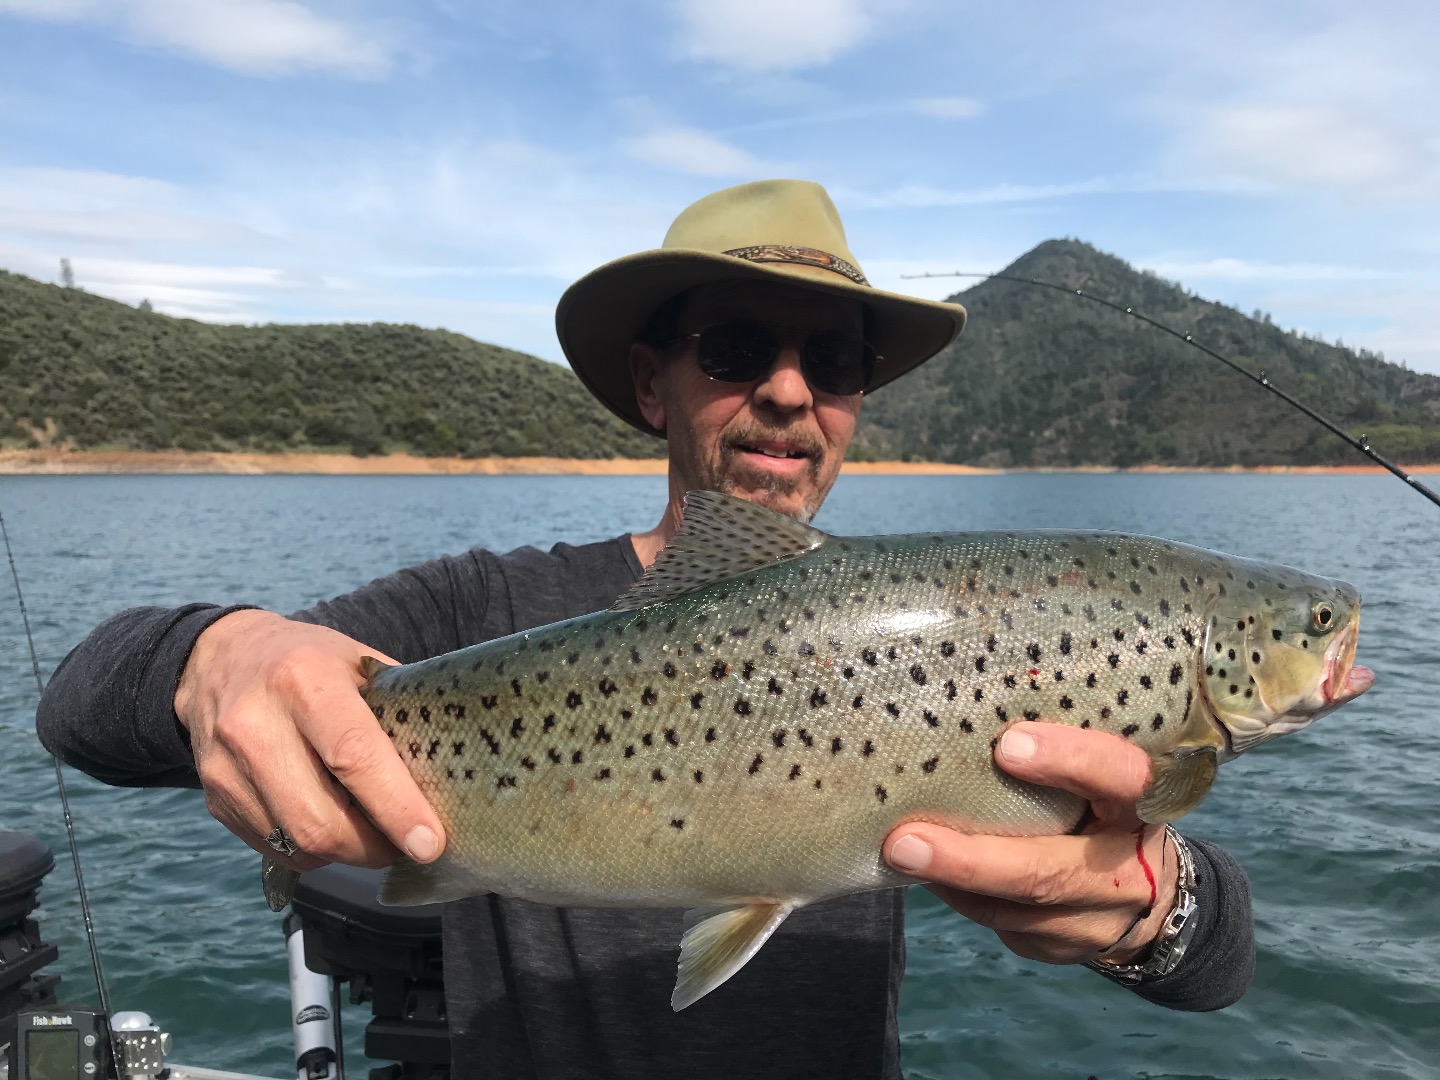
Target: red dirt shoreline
121, 462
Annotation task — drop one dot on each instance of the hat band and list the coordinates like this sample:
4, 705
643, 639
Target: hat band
800, 256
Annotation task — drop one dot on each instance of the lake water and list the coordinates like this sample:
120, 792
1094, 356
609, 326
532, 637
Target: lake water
1337, 826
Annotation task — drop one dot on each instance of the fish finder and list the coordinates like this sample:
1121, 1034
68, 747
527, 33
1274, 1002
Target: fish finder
58, 1044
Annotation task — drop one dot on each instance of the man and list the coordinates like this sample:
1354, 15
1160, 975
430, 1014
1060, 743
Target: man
746, 341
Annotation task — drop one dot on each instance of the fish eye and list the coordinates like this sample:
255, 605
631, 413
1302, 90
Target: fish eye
1323, 616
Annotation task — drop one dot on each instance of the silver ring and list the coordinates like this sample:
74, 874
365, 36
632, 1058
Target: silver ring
280, 840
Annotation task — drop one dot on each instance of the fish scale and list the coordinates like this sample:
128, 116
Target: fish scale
738, 734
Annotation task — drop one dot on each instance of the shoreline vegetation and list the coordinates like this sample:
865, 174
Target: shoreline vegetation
53, 461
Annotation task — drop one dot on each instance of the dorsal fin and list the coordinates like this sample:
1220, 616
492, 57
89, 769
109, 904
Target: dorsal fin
719, 536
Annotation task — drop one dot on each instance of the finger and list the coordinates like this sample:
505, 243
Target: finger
353, 748
1095, 765
234, 804
1098, 870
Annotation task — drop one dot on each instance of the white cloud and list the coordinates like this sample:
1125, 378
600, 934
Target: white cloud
689, 151
950, 108
763, 35
1286, 145
912, 196
253, 37
1225, 268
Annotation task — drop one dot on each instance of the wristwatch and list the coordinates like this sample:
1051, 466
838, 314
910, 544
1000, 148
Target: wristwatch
1175, 934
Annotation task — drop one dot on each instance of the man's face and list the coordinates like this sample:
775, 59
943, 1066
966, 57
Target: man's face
775, 441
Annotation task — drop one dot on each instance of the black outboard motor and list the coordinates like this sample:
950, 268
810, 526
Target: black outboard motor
391, 957
24, 862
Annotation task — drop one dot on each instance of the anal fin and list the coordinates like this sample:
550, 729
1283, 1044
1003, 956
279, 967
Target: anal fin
718, 942
409, 884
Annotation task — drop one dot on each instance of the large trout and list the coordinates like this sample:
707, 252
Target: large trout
740, 731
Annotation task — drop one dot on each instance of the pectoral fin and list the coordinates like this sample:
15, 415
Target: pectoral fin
718, 942
278, 882
1181, 780
409, 884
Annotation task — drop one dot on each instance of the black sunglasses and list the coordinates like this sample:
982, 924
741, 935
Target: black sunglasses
832, 361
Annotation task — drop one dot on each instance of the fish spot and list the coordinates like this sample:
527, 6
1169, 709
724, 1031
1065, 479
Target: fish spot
602, 735
553, 755
1033, 651
967, 727
720, 670
577, 758
515, 687
1122, 698
1009, 681
979, 694
1031, 714
748, 670
1164, 607
980, 663
818, 698
918, 674
1145, 681
1231, 654
671, 737
648, 738
1001, 714
529, 763
848, 672
892, 708
573, 699
573, 658
678, 823
991, 643
1129, 729
1066, 703
1157, 723
490, 741
768, 648
1255, 658
1276, 634
1234, 689
794, 772
778, 737
669, 670
881, 793
697, 699
607, 687
867, 749
951, 690
1135, 587
658, 775
504, 781
806, 649
755, 765
630, 750
947, 648
869, 656
774, 686
1085, 723
1119, 634
858, 701
1176, 674
931, 718
742, 707
1090, 680
1114, 659
1065, 644
1190, 638
1105, 713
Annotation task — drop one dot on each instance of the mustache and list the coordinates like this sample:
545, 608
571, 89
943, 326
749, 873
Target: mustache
751, 433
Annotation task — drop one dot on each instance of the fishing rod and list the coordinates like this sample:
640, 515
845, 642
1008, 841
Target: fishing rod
1261, 379
115, 1043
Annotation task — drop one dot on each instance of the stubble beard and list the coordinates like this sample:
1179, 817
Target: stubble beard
728, 478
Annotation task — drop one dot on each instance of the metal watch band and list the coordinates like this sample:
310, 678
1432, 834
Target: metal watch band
1175, 934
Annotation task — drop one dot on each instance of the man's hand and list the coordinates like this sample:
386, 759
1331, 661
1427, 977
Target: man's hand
283, 739
1059, 899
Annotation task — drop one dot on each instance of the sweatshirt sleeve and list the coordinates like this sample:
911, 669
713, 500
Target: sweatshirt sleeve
1220, 962
109, 709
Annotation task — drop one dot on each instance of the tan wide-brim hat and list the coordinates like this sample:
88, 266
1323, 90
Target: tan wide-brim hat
772, 230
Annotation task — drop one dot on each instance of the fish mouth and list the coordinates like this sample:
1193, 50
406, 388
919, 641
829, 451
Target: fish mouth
1345, 679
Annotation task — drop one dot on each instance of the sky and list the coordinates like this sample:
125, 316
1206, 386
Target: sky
457, 164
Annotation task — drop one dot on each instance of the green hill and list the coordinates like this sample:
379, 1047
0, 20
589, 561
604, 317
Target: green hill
1038, 378
107, 375
1044, 378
